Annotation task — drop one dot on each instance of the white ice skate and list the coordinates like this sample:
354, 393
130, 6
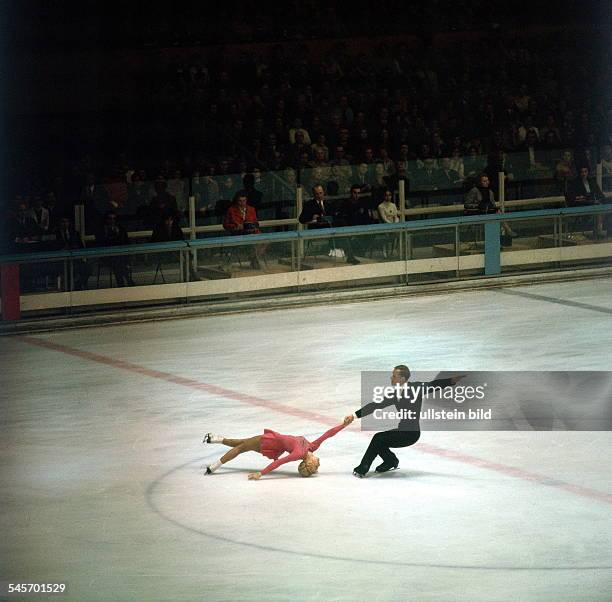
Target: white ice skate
212, 438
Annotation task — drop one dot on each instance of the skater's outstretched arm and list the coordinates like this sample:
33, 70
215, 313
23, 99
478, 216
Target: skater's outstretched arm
330, 433
445, 382
370, 407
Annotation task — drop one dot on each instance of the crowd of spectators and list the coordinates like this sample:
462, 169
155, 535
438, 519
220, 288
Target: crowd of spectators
533, 107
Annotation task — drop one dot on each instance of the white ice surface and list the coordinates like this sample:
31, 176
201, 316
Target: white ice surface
100, 476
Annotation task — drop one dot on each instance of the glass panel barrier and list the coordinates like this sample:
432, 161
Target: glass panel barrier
245, 256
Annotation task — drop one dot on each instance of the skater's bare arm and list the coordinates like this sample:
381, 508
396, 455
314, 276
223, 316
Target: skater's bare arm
330, 433
292, 457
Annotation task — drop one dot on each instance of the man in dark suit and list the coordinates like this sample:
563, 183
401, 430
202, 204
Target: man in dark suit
583, 190
314, 210
586, 191
113, 234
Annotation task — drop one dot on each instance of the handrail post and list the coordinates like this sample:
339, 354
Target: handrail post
599, 174
402, 212
501, 184
192, 232
299, 203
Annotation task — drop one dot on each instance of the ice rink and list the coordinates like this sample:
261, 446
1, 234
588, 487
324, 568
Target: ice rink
101, 452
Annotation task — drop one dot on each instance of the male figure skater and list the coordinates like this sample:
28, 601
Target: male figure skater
408, 430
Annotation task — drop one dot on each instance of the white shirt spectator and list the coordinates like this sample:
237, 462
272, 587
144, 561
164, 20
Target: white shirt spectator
388, 212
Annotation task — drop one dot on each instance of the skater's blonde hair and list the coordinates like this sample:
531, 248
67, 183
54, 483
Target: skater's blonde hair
309, 465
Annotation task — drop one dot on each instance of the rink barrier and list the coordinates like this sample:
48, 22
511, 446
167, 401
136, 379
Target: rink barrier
491, 260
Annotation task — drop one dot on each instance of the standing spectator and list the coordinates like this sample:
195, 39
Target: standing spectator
112, 234
67, 238
179, 189
95, 199
169, 230
355, 211
254, 196
161, 203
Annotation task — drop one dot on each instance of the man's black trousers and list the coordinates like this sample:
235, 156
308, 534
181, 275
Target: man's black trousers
381, 442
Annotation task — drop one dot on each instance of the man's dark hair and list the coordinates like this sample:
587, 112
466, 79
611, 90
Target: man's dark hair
248, 180
355, 187
404, 371
239, 194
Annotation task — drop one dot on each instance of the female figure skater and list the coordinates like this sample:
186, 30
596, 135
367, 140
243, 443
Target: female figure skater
272, 444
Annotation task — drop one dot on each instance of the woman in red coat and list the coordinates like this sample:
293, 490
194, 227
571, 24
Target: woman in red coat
241, 219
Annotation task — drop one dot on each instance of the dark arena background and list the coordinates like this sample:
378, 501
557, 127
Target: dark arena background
228, 229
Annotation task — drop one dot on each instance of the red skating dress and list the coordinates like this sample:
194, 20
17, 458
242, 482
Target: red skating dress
273, 444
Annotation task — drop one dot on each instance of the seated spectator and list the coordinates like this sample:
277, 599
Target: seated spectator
387, 161
446, 178
40, 215
24, 231
456, 163
481, 200
241, 219
355, 211
138, 194
551, 128
364, 177
473, 163
531, 160
293, 133
112, 234
606, 164
387, 210
320, 146
67, 238
314, 210
583, 190
565, 168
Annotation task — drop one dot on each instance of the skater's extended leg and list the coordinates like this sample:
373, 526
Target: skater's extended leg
379, 446
250, 444
233, 442
245, 445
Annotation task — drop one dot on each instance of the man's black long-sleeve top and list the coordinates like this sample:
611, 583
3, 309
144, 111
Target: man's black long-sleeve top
412, 401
